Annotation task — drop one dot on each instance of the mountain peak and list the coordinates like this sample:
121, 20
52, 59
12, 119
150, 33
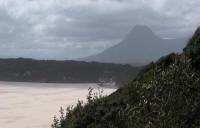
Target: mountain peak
141, 31
141, 27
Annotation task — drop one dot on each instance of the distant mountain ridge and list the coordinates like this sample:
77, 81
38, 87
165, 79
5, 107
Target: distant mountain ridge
139, 47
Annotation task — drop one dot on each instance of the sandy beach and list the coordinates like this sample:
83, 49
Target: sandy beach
33, 105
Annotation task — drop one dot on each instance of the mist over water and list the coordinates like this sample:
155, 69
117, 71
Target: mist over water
33, 105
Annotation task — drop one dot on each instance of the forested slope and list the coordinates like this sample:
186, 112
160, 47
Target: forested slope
165, 94
29, 70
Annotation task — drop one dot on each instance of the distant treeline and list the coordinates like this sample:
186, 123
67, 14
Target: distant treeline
29, 70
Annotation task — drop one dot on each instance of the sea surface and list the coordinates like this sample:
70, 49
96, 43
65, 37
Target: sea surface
33, 105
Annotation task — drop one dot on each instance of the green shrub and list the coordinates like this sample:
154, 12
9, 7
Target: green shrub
165, 94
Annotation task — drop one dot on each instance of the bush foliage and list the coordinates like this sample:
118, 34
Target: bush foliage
165, 94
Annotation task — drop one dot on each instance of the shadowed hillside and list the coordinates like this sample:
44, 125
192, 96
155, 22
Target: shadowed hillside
165, 94
30, 70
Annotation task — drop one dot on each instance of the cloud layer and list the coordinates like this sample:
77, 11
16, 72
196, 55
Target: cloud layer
67, 29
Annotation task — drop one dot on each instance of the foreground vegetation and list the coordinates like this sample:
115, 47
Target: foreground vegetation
165, 94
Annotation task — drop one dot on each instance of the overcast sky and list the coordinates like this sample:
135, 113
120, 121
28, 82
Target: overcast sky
66, 29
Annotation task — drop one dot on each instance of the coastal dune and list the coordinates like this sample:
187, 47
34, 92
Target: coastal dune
33, 105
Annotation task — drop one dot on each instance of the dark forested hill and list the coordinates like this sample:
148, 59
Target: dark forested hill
64, 71
165, 94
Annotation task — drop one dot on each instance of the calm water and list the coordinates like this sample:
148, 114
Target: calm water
33, 105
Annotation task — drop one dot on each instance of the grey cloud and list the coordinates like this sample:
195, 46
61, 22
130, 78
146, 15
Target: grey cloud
68, 29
